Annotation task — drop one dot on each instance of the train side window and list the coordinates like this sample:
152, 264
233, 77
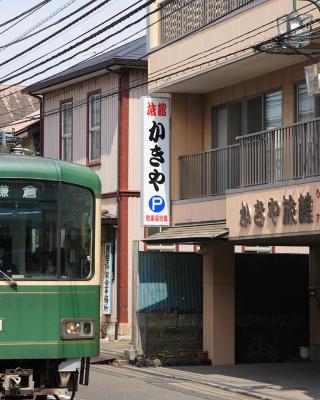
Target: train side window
76, 232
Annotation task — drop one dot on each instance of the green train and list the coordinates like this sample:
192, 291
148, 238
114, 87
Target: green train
49, 276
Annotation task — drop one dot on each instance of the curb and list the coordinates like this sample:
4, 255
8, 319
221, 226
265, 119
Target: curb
206, 383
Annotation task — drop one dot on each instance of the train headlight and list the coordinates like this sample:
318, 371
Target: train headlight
81, 328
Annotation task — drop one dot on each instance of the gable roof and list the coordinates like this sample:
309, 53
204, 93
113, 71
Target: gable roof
132, 54
15, 105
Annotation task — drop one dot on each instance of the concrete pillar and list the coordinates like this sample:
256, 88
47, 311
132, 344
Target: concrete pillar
315, 303
218, 303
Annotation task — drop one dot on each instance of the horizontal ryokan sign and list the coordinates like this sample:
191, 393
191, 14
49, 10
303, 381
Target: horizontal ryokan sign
277, 211
155, 161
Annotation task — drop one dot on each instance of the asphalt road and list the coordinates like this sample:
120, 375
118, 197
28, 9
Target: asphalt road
109, 382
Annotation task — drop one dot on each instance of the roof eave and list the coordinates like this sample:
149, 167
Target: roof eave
40, 88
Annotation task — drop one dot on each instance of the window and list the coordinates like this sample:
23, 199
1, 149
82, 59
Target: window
249, 115
254, 117
76, 232
66, 130
227, 124
305, 104
305, 138
32, 213
273, 110
94, 129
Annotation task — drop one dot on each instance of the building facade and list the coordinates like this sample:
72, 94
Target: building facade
91, 116
244, 142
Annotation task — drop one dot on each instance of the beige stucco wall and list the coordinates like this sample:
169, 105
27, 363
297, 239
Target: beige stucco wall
199, 211
231, 30
218, 303
187, 130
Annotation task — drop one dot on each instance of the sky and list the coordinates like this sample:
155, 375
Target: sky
12, 8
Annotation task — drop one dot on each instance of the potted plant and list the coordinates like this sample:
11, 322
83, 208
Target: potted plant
202, 355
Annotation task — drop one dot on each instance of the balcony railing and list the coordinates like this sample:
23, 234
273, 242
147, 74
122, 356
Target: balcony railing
271, 156
209, 173
180, 17
280, 154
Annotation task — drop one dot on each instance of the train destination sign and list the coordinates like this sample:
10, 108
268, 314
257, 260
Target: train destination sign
155, 161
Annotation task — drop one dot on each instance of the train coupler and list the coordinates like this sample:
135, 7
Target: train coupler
18, 383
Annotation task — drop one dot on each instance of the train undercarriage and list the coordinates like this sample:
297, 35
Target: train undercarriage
38, 379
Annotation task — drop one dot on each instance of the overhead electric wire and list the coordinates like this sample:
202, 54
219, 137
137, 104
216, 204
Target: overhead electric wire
72, 40
72, 56
193, 66
120, 20
26, 15
83, 102
55, 33
84, 50
146, 82
34, 8
23, 35
57, 23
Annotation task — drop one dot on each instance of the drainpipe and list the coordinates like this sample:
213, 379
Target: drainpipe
40, 98
294, 5
123, 133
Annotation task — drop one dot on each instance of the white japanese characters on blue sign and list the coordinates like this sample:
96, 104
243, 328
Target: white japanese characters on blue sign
156, 161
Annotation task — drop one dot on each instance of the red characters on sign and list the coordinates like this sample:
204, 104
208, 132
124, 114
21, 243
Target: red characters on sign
152, 110
156, 218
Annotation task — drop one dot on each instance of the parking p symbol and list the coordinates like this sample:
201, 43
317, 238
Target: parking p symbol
156, 204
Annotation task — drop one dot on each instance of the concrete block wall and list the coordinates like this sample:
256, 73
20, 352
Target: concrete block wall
169, 331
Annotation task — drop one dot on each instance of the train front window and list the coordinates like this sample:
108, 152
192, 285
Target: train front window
45, 230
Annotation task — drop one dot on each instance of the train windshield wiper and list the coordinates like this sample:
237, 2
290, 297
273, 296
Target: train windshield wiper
11, 281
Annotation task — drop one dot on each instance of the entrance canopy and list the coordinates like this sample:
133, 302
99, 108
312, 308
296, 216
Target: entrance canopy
193, 233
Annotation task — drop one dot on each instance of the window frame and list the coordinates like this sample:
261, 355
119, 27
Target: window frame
62, 103
97, 161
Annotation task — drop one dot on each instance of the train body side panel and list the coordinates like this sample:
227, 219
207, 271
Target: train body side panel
31, 317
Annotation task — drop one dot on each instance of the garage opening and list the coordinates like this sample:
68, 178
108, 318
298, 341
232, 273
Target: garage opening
272, 307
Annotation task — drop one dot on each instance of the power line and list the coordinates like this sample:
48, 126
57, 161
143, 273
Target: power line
34, 8
72, 56
144, 83
23, 35
91, 46
58, 31
198, 53
72, 40
149, 81
24, 16
120, 20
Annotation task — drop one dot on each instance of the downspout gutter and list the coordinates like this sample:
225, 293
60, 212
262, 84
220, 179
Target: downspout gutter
122, 201
40, 98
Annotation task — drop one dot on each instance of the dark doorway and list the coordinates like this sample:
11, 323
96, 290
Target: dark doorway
272, 307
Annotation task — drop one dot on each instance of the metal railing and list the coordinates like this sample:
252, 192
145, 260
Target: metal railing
180, 17
209, 173
271, 156
280, 154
